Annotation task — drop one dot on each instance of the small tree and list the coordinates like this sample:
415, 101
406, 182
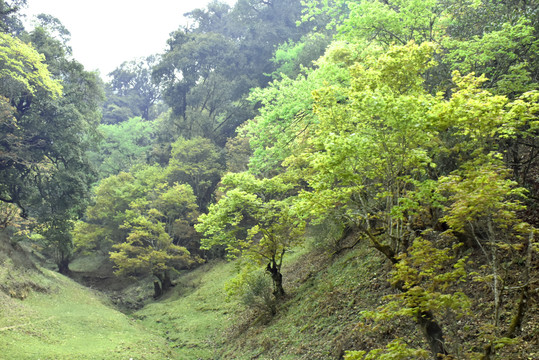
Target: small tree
148, 249
254, 219
484, 205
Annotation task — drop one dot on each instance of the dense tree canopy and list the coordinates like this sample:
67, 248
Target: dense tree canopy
132, 92
50, 128
410, 125
209, 67
404, 165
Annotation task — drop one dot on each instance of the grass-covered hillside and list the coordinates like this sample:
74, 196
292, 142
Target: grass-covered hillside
45, 315
317, 319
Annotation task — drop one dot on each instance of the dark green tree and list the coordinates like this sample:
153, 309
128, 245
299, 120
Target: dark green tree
24, 78
10, 21
132, 92
210, 66
199, 163
61, 131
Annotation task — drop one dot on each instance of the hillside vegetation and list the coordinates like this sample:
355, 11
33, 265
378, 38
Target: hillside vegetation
289, 179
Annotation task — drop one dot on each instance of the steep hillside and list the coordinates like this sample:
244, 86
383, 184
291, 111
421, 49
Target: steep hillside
320, 318
44, 315
48, 316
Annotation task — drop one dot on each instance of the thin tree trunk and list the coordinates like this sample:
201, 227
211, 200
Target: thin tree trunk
163, 285
429, 327
157, 291
495, 285
63, 266
522, 306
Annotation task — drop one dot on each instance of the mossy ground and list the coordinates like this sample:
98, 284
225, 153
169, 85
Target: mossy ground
196, 320
320, 317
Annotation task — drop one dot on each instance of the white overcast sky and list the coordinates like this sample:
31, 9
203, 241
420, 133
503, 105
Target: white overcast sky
105, 33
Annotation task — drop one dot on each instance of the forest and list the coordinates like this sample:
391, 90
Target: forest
289, 179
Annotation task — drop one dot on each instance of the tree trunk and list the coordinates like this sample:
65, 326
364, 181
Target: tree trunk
157, 291
63, 266
495, 280
166, 284
163, 285
433, 333
429, 327
277, 278
516, 321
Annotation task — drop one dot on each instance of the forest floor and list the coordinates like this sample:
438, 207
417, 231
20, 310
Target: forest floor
45, 315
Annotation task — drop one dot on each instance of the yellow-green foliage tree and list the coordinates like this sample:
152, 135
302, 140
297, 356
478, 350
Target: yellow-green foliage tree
23, 70
145, 220
101, 227
394, 163
148, 249
254, 220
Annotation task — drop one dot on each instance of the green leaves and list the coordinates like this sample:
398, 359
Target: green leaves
46, 130
396, 349
371, 146
482, 190
500, 54
124, 145
157, 221
254, 219
23, 70
394, 21
395, 163
197, 162
148, 248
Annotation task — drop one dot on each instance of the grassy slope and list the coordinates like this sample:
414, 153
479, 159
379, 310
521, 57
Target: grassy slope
318, 320
60, 319
194, 314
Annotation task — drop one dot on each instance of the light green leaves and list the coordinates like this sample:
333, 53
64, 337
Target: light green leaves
254, 220
22, 69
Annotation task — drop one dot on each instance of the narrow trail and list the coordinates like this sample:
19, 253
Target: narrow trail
23, 325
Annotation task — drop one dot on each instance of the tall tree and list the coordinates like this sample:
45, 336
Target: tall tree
24, 78
211, 65
10, 21
132, 87
61, 130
